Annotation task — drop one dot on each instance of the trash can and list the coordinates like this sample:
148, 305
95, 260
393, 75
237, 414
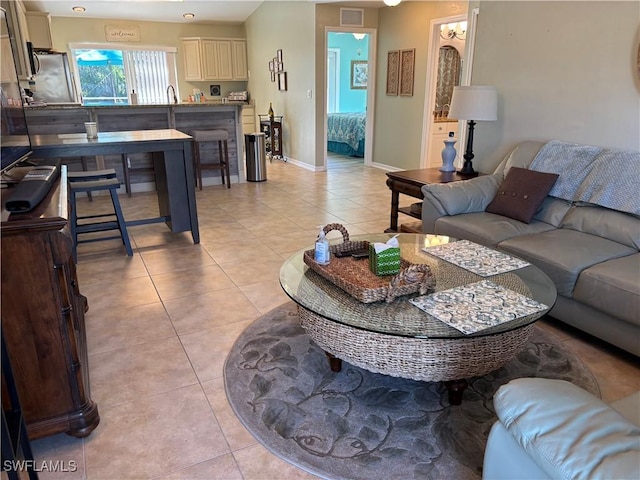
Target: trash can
256, 157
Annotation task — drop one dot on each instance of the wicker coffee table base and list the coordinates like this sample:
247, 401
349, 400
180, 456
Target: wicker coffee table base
426, 359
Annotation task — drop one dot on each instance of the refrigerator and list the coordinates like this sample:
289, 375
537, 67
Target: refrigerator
54, 82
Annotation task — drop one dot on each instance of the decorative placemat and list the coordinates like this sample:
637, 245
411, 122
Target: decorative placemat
476, 258
478, 306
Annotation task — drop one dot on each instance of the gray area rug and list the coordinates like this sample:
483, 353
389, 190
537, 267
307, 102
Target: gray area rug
361, 425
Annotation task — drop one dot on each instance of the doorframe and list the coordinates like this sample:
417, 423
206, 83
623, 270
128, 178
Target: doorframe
371, 89
336, 52
431, 80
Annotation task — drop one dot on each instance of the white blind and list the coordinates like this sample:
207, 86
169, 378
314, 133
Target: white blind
147, 73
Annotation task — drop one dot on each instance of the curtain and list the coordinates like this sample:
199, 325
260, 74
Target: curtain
147, 73
448, 76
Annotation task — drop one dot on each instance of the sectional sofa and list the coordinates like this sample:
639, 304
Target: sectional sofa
585, 234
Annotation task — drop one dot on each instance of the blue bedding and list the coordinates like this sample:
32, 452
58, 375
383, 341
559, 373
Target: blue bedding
345, 133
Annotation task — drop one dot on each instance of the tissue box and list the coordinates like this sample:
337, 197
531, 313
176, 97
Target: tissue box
386, 262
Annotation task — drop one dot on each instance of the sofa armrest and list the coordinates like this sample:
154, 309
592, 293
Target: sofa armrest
568, 432
468, 196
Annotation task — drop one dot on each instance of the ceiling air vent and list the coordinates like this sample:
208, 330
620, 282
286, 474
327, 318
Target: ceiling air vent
352, 17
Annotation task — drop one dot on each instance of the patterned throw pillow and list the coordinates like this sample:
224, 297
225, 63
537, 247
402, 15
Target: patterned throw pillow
522, 193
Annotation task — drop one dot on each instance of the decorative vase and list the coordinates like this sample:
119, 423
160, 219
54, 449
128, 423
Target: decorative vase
448, 156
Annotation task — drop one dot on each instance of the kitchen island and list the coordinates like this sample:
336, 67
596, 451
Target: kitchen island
185, 117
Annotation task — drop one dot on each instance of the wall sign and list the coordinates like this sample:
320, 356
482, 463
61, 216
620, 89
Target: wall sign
118, 33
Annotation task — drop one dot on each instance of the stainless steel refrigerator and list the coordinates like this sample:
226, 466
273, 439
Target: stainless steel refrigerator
53, 80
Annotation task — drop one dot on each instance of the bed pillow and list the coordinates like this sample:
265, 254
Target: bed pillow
521, 194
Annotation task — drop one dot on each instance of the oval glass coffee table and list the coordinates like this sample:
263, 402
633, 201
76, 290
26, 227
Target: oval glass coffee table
398, 338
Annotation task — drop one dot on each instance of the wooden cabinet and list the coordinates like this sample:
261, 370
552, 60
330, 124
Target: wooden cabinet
19, 36
43, 319
192, 59
240, 69
39, 26
214, 59
248, 119
440, 132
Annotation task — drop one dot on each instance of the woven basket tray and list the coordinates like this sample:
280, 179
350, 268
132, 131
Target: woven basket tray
354, 277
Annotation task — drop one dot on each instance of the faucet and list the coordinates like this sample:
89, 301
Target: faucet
171, 88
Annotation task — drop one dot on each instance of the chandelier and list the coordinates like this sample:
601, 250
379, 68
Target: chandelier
453, 30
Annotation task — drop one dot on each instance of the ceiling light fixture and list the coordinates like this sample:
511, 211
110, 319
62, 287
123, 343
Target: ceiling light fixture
453, 30
188, 16
359, 36
79, 9
392, 3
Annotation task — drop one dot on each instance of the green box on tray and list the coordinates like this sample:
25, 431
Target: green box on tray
386, 262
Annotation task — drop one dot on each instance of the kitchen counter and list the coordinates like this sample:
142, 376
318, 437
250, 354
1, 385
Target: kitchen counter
67, 106
185, 117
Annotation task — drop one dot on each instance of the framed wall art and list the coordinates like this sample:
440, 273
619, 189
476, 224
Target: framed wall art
407, 64
359, 74
279, 55
273, 76
393, 71
282, 81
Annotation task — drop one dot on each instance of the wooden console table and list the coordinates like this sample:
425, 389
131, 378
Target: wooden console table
172, 162
43, 318
410, 182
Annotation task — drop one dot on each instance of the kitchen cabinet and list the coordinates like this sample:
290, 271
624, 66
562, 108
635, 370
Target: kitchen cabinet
214, 59
240, 69
192, 59
248, 119
39, 27
19, 36
440, 132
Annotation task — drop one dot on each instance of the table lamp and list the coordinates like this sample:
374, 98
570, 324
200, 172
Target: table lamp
473, 103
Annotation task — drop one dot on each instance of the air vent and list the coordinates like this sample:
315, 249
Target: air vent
352, 17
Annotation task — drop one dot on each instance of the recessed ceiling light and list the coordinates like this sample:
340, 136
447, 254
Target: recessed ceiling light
79, 9
188, 15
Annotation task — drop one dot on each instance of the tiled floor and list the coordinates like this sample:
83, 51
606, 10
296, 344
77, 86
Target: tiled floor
161, 323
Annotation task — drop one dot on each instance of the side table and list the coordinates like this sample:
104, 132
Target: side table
410, 182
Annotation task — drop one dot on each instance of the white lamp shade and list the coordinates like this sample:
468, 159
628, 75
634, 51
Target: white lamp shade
474, 102
391, 3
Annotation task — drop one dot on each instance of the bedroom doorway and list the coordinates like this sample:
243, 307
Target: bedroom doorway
349, 84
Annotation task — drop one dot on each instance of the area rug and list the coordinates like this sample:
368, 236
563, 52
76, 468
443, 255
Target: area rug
360, 425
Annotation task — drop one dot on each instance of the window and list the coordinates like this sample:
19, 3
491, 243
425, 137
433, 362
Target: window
107, 74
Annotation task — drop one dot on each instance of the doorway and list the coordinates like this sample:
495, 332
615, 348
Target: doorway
349, 87
450, 54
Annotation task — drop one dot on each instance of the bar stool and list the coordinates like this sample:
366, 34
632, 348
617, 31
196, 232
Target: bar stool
220, 136
87, 182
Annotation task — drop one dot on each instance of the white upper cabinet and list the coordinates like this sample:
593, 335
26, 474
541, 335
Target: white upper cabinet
192, 59
214, 59
39, 26
240, 70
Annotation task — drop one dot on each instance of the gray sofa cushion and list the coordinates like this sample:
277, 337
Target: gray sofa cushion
568, 432
563, 254
552, 211
620, 227
454, 198
487, 228
612, 287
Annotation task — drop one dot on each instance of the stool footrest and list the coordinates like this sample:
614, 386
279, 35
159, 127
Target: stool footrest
98, 227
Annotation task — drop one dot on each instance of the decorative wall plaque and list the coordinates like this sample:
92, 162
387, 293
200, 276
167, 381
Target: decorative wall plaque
393, 71
407, 62
119, 33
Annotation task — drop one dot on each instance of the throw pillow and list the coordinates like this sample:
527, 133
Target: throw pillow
521, 193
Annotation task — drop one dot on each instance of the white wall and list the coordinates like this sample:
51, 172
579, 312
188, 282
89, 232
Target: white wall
564, 70
288, 26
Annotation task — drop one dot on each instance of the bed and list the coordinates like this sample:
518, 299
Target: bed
345, 133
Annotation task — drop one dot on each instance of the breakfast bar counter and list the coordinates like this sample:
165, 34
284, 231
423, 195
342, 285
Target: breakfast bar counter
185, 117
